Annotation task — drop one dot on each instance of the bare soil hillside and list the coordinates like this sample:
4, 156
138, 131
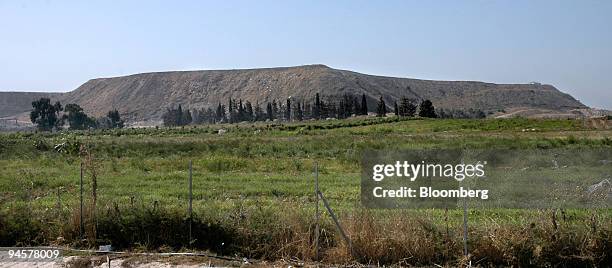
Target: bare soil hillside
15, 103
144, 97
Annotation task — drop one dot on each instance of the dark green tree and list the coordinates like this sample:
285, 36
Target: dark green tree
178, 116
232, 111
275, 114
248, 111
381, 108
115, 119
324, 110
269, 112
241, 112
259, 113
186, 118
345, 106
77, 119
396, 108
299, 114
356, 106
426, 109
220, 113
364, 105
288, 110
170, 118
306, 110
480, 114
406, 107
45, 115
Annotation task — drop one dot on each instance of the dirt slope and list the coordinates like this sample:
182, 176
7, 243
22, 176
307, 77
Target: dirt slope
15, 103
144, 97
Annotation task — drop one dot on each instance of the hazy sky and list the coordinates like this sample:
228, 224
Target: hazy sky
58, 45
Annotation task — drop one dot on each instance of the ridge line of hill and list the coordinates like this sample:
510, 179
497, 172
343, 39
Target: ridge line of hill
146, 96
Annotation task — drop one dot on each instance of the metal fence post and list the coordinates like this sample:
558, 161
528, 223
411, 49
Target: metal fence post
82, 225
316, 170
30, 189
59, 202
190, 199
333, 216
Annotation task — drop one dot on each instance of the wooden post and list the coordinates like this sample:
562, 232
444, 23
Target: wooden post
30, 189
316, 238
190, 199
59, 202
82, 225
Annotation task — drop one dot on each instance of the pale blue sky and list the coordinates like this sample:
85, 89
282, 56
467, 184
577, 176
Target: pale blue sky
58, 45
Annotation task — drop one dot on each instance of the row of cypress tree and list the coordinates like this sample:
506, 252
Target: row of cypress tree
407, 108
292, 109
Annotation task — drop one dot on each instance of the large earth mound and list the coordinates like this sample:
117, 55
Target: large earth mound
145, 97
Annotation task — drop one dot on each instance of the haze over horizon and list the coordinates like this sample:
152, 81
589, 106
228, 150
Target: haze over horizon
56, 46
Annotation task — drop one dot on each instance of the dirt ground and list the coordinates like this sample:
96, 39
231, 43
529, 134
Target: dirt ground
137, 261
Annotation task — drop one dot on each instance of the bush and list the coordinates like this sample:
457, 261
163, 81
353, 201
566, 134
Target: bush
158, 227
41, 145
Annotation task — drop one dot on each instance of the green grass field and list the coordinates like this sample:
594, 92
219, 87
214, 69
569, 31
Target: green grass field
254, 191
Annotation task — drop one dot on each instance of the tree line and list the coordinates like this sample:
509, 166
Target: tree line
237, 110
47, 117
338, 107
